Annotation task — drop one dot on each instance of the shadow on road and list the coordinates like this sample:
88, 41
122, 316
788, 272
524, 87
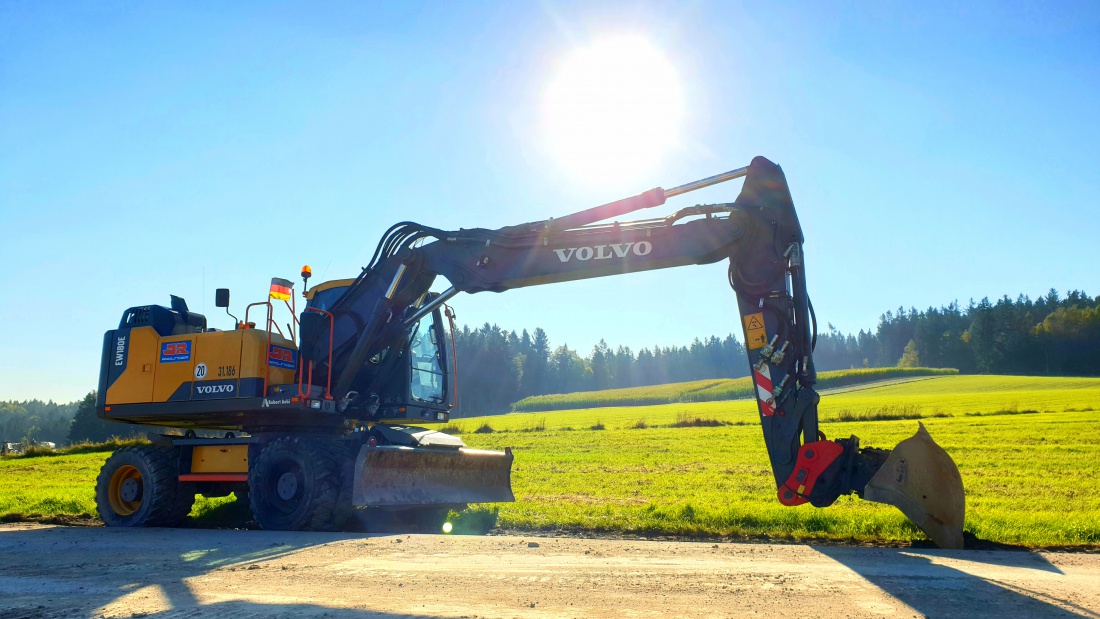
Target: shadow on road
474, 520
936, 583
94, 572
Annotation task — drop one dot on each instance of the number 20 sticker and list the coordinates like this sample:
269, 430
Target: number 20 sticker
200, 371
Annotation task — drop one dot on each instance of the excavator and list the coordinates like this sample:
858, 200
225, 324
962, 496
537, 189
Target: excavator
327, 417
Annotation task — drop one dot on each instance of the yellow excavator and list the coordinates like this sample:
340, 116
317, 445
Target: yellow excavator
327, 415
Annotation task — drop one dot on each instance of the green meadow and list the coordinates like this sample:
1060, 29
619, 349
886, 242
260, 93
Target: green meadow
59, 487
913, 398
708, 390
1028, 449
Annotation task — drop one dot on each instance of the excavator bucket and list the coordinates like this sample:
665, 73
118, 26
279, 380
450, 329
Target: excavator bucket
399, 476
921, 480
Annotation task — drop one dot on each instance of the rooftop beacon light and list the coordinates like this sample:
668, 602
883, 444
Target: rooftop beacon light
306, 274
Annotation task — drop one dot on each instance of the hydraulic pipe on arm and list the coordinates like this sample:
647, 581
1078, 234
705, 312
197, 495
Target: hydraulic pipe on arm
453, 252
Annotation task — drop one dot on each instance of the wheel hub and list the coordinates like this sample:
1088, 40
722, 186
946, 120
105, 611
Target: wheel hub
125, 489
131, 490
287, 486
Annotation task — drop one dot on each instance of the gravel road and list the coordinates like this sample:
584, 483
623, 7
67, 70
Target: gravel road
96, 572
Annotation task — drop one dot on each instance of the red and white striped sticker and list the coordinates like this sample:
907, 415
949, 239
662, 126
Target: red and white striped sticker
763, 379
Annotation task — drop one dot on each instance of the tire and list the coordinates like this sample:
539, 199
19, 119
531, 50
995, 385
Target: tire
185, 500
344, 454
295, 485
139, 487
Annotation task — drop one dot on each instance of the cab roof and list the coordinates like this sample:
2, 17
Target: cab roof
323, 286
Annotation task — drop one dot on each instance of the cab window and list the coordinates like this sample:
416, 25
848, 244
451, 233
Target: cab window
427, 379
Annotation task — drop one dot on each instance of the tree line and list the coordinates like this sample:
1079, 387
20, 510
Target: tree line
35, 420
498, 367
31, 422
1051, 335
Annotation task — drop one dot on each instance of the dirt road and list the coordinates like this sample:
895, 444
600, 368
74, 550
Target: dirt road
93, 572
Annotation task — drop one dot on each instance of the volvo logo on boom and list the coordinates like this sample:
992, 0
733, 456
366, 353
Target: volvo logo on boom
604, 252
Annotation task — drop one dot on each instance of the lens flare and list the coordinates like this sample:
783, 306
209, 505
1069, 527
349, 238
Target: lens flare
613, 109
447, 527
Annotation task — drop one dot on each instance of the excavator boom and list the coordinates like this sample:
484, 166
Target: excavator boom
759, 234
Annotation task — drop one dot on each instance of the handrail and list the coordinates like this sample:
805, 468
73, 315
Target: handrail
267, 349
293, 315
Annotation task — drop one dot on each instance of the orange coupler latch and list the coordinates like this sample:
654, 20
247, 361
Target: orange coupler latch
813, 459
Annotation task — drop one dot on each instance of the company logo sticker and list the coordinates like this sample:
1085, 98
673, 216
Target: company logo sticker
175, 352
282, 357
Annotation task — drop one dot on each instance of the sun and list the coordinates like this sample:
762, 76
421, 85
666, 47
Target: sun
613, 109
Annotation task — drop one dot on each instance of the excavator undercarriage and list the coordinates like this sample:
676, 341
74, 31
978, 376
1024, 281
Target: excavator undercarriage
331, 409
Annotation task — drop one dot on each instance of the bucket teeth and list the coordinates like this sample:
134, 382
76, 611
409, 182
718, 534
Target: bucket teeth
922, 480
392, 476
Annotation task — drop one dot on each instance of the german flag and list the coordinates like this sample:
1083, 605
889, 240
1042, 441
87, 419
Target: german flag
281, 288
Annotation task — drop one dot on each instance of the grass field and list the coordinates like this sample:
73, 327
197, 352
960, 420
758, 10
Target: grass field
706, 390
1030, 476
62, 486
930, 397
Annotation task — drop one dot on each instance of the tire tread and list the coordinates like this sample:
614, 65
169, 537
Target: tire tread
323, 461
160, 488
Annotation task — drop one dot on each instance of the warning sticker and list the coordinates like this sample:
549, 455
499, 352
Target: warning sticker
755, 336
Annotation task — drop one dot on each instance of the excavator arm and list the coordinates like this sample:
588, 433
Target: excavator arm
759, 234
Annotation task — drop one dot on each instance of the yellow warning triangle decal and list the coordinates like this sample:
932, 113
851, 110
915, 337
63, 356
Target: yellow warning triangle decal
754, 322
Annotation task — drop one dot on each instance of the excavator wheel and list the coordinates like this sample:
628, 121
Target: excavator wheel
138, 487
295, 485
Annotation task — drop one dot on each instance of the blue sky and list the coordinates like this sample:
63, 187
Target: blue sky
935, 152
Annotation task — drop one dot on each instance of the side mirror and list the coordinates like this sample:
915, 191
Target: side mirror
221, 297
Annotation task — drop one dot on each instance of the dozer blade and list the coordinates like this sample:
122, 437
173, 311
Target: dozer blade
921, 480
392, 476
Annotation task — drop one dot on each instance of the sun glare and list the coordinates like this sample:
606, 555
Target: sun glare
612, 111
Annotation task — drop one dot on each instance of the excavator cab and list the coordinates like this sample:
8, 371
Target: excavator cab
409, 381
413, 377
